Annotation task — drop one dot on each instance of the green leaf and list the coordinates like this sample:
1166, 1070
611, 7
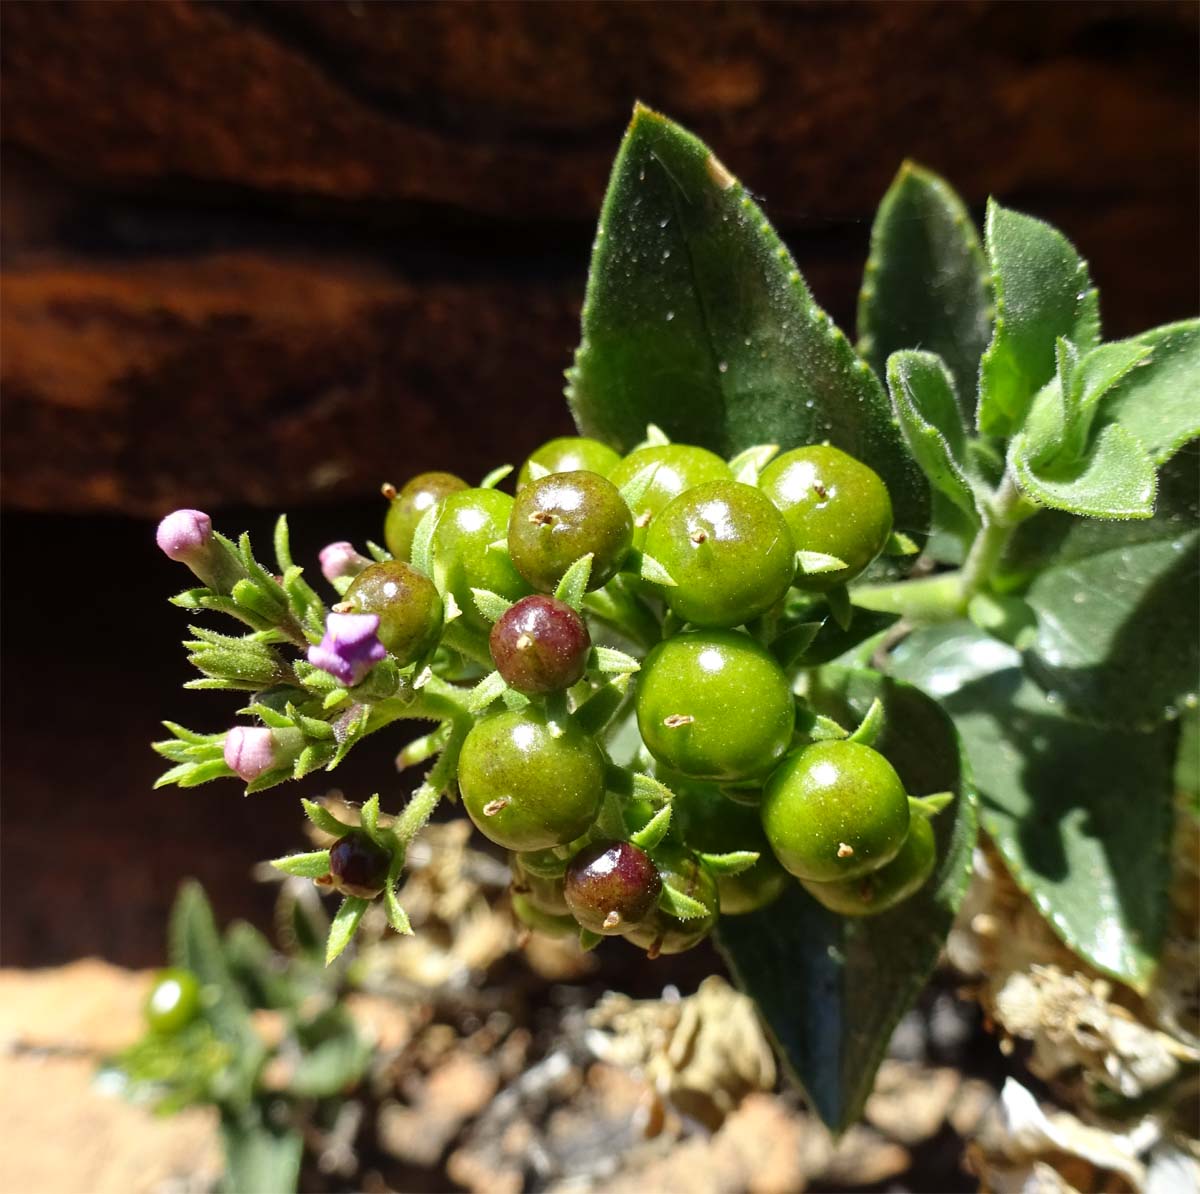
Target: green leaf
831, 989
1081, 815
1115, 480
1158, 400
925, 403
1043, 291
333, 1056
926, 283
790, 647
697, 319
574, 583
259, 1158
308, 866
1118, 628
1089, 381
345, 924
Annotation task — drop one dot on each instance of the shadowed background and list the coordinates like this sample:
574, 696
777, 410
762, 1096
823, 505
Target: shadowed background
265, 256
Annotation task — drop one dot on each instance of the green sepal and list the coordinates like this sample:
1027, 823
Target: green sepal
380, 555
421, 552
314, 865
422, 749
840, 607
732, 863
648, 568
747, 465
931, 805
594, 715
678, 904
495, 476
653, 832
790, 646
635, 488
323, 819
609, 661
573, 586
871, 725
490, 688
588, 940
345, 924
899, 544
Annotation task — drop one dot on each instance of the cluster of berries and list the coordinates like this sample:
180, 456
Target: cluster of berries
673, 540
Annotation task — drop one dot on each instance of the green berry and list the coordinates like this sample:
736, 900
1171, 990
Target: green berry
664, 933
711, 823
559, 518
834, 504
611, 886
358, 865
409, 505
173, 1002
529, 784
727, 548
677, 467
893, 883
408, 604
540, 921
835, 810
715, 705
540, 645
469, 522
544, 893
569, 454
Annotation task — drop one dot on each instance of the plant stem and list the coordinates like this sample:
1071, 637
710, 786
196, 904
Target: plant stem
1006, 511
425, 799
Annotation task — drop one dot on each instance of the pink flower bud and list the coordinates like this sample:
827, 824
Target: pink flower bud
340, 561
350, 648
185, 534
250, 751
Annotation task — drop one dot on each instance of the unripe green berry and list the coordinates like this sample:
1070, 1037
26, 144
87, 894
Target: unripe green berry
835, 810
833, 504
562, 517
173, 1002
715, 705
469, 522
892, 884
677, 468
543, 893
528, 783
408, 604
549, 924
408, 507
728, 550
569, 454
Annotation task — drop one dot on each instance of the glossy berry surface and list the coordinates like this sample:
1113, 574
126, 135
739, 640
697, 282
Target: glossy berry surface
539, 921
408, 507
677, 467
358, 865
833, 504
727, 548
711, 823
469, 522
526, 788
611, 886
835, 810
569, 454
664, 933
715, 705
543, 892
540, 645
892, 884
564, 516
173, 1002
408, 604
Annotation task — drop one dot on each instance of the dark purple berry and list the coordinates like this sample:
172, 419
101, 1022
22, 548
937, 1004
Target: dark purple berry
611, 886
540, 645
358, 865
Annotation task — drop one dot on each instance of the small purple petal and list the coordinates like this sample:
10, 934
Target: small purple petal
183, 533
249, 751
341, 560
350, 648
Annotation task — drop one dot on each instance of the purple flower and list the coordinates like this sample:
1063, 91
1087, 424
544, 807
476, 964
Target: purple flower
250, 752
350, 648
187, 537
340, 561
185, 534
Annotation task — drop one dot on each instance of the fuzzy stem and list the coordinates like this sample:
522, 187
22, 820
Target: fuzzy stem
1006, 511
